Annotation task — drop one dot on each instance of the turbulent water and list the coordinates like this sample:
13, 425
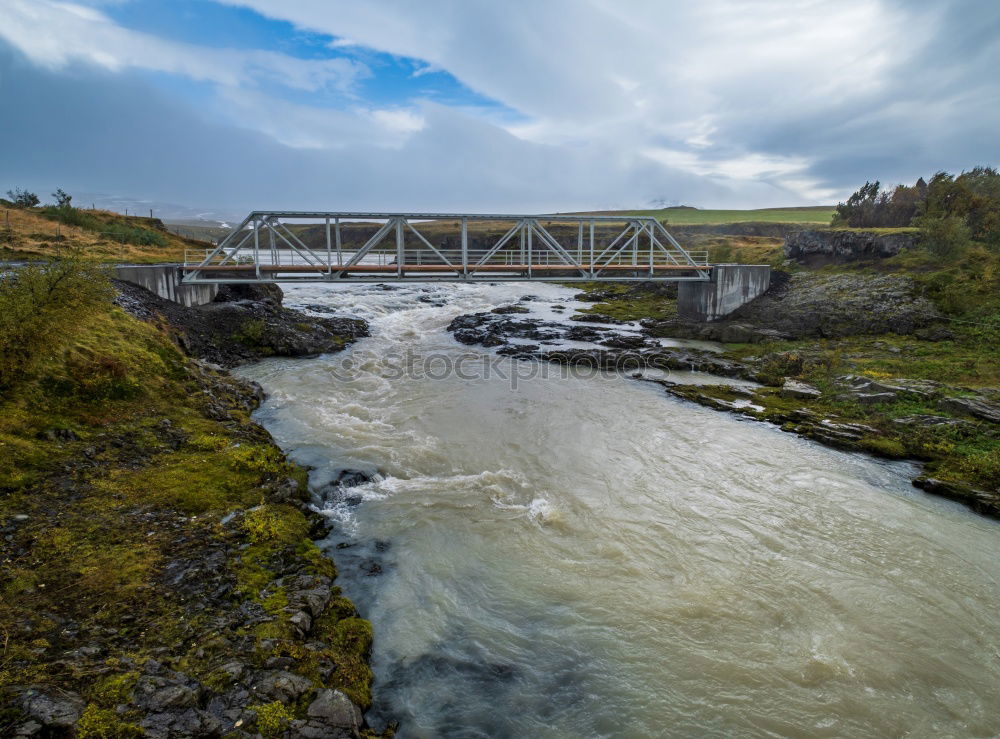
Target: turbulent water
586, 556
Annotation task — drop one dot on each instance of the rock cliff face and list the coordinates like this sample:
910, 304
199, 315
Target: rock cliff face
819, 247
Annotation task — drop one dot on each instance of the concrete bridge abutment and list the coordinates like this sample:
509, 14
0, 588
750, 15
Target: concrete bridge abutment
165, 281
731, 286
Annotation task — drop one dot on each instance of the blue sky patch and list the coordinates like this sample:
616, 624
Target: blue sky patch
394, 80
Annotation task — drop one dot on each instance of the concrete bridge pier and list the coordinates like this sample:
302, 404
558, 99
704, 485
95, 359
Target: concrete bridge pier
731, 286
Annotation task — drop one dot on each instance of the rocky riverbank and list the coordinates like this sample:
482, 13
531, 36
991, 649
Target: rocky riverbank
809, 305
160, 577
815, 392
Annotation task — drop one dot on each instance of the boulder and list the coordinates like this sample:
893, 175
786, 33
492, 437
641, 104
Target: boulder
157, 694
928, 421
975, 407
51, 709
335, 709
263, 291
866, 398
799, 390
279, 685
737, 333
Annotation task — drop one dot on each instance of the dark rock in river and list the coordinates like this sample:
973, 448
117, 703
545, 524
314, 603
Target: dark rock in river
258, 292
489, 329
228, 333
505, 309
981, 501
596, 318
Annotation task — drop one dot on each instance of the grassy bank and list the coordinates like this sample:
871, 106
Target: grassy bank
152, 530
46, 233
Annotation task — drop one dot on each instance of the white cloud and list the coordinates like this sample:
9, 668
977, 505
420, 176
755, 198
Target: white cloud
647, 74
306, 127
55, 34
611, 102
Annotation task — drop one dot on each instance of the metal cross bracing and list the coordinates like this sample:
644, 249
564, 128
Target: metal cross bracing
292, 246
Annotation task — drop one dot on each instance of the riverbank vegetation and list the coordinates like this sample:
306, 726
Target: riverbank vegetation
158, 564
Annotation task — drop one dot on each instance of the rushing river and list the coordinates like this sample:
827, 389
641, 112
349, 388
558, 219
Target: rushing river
587, 556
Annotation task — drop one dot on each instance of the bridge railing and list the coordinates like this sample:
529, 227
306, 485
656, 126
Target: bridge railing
272, 245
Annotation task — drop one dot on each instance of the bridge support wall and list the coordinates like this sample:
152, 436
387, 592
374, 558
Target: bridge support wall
731, 286
165, 281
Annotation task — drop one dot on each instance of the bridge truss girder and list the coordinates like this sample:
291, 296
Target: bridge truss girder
263, 248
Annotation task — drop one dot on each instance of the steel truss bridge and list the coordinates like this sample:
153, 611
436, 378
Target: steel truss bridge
291, 246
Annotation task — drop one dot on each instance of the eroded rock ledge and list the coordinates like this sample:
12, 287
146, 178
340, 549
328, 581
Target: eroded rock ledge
836, 246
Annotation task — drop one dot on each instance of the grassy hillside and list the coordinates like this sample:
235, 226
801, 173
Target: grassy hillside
820, 214
42, 233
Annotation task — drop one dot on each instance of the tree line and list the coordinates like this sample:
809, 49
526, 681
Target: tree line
951, 211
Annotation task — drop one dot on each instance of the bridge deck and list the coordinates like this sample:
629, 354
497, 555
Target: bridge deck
394, 269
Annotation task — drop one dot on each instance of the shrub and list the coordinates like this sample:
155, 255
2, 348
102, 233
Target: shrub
944, 236
41, 306
63, 199
22, 198
870, 207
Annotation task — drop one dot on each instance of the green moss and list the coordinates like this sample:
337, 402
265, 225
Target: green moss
350, 641
272, 719
980, 465
883, 446
200, 481
114, 689
102, 723
275, 524
251, 332
629, 302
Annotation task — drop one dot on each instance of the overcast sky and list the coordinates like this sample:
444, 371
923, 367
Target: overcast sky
476, 105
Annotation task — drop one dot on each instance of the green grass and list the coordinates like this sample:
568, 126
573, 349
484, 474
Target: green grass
820, 214
626, 303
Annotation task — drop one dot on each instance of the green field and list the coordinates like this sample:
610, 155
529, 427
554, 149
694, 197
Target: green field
695, 216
